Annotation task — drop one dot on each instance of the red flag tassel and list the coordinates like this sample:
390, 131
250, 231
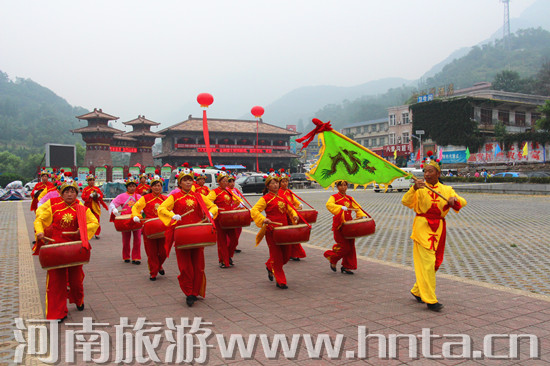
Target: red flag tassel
206, 136
82, 225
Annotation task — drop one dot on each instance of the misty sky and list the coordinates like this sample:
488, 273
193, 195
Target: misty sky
153, 58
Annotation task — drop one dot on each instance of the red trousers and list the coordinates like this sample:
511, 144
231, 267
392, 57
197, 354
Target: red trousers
343, 249
227, 242
238, 232
191, 265
278, 257
99, 227
296, 251
57, 292
136, 247
156, 254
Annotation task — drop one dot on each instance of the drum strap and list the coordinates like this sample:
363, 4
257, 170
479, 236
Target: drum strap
299, 215
301, 199
238, 199
200, 201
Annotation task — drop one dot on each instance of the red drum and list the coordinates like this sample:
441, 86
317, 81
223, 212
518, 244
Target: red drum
154, 228
358, 227
291, 234
125, 223
195, 235
309, 215
234, 218
63, 255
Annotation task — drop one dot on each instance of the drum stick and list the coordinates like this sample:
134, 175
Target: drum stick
70, 232
48, 239
276, 223
430, 189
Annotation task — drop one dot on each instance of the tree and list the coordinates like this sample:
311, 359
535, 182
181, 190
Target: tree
80, 154
542, 80
508, 80
544, 122
9, 163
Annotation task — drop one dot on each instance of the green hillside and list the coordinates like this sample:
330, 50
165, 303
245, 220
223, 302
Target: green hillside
31, 116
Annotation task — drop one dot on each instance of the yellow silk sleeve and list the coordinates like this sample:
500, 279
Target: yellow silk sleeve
44, 217
138, 207
165, 210
91, 223
256, 211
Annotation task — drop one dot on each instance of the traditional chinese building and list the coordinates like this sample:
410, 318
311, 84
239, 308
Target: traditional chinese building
144, 139
232, 142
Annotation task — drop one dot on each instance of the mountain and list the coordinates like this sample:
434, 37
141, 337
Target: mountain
302, 103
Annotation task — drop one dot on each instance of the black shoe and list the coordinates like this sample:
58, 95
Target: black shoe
222, 265
238, 250
269, 274
284, 287
345, 270
161, 272
80, 308
136, 262
231, 262
153, 278
190, 300
126, 261
435, 307
34, 242
418, 298
295, 259
97, 237
62, 319
332, 267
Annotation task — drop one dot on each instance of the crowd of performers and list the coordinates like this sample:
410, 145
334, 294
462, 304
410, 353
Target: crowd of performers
62, 218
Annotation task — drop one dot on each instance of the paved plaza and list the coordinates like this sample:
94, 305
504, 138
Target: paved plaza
494, 280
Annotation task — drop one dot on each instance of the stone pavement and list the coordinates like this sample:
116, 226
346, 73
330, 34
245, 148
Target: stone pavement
241, 300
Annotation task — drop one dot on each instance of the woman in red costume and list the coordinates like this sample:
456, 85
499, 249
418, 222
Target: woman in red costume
296, 250
200, 179
341, 206
143, 187
155, 248
182, 208
278, 212
93, 198
44, 184
60, 217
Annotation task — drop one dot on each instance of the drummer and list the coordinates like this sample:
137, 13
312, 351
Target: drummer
198, 185
278, 212
39, 187
50, 187
93, 198
126, 201
143, 187
238, 194
296, 250
192, 279
341, 205
59, 216
154, 248
226, 201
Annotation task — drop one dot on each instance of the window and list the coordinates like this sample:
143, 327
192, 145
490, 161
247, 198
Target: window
373, 142
486, 116
520, 118
382, 141
366, 143
504, 117
405, 139
391, 138
405, 118
365, 129
392, 119
534, 117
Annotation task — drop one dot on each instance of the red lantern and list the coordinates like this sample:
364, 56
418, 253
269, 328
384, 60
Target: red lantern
257, 111
205, 99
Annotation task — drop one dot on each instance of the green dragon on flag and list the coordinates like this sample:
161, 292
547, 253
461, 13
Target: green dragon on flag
344, 159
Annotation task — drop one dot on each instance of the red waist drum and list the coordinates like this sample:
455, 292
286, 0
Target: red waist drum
125, 223
194, 236
309, 215
63, 255
291, 234
154, 228
234, 219
358, 227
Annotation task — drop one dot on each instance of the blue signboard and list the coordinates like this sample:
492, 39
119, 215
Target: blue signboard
454, 157
425, 98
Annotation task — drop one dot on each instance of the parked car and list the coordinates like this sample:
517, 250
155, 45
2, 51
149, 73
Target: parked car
400, 184
298, 180
510, 175
29, 186
254, 183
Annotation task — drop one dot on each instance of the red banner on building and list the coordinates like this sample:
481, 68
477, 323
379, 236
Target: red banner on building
245, 151
124, 149
220, 146
402, 149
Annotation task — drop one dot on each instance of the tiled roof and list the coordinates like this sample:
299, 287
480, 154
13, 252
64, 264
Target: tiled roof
143, 133
141, 120
97, 113
98, 128
228, 125
177, 154
123, 137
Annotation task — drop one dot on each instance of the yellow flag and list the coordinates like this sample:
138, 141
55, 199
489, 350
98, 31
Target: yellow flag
395, 154
525, 150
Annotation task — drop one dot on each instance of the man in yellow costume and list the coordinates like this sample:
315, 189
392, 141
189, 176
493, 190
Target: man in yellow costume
425, 197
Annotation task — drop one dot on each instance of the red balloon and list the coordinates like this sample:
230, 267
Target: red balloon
257, 111
205, 99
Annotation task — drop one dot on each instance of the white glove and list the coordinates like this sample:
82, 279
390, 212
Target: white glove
240, 205
300, 207
176, 217
210, 214
136, 219
115, 211
344, 208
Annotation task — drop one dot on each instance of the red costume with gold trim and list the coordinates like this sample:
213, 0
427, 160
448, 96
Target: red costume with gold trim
142, 189
154, 248
93, 199
204, 190
55, 218
296, 250
40, 187
192, 279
